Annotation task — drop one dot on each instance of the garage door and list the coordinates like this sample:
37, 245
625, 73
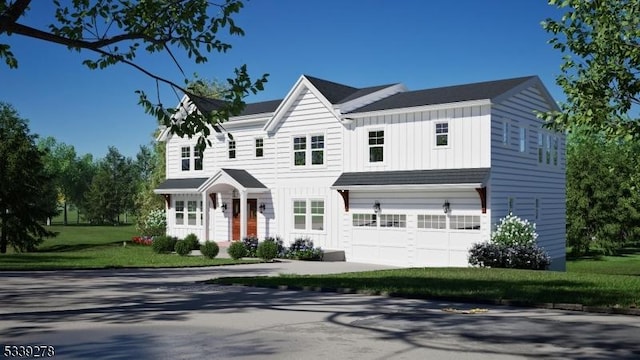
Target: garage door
414, 240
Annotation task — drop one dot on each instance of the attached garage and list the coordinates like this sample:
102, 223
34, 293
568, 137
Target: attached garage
414, 218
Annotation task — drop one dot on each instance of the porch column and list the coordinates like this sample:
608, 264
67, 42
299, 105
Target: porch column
205, 216
243, 214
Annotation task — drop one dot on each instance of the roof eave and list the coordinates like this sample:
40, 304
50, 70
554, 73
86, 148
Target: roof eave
413, 109
410, 186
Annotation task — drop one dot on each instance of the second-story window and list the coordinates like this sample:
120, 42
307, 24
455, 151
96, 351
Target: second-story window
317, 149
300, 150
442, 134
540, 147
197, 161
376, 146
259, 147
506, 132
232, 149
186, 158
523, 139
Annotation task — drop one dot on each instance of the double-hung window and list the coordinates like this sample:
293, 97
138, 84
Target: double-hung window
317, 149
376, 146
442, 133
308, 215
308, 150
299, 214
186, 158
179, 208
197, 161
232, 149
259, 147
191, 212
540, 147
523, 139
300, 150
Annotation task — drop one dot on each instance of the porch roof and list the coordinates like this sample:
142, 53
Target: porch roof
238, 178
441, 178
179, 185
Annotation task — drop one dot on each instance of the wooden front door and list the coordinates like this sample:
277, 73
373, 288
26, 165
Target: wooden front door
252, 219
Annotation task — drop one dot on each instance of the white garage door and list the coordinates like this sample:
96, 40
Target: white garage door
414, 240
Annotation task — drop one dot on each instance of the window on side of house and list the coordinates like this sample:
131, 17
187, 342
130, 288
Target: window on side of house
540, 147
368, 220
232, 149
179, 208
198, 157
376, 146
186, 158
259, 147
464, 222
191, 212
442, 133
393, 220
317, 214
555, 150
523, 139
510, 205
300, 150
300, 214
432, 222
548, 148
537, 210
317, 149
506, 132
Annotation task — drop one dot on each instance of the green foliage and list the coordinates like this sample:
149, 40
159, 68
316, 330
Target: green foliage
154, 224
146, 201
267, 250
514, 231
193, 241
210, 249
603, 197
182, 247
303, 249
117, 30
237, 250
27, 191
600, 73
163, 244
251, 245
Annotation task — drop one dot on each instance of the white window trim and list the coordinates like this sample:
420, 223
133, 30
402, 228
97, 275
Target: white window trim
183, 212
435, 135
308, 152
255, 147
235, 149
188, 158
308, 215
367, 158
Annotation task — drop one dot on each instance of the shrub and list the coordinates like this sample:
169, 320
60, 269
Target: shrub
302, 249
487, 255
527, 257
514, 231
267, 250
210, 249
237, 250
193, 241
182, 248
153, 224
162, 244
282, 250
251, 246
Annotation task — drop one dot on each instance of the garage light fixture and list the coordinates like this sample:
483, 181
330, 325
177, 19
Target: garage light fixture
446, 206
376, 206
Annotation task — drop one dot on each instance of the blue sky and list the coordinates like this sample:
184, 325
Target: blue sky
422, 44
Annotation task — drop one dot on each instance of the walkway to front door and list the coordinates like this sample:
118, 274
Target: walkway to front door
252, 218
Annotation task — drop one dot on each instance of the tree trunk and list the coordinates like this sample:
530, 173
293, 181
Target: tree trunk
77, 216
49, 221
65, 213
3, 233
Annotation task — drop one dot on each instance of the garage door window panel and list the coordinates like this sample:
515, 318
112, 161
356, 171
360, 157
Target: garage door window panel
432, 222
464, 222
364, 220
393, 221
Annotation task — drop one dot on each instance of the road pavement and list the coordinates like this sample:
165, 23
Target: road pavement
167, 314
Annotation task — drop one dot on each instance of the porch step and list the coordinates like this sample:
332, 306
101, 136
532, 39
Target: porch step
333, 255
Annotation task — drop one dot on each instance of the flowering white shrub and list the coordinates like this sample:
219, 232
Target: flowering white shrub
154, 224
514, 231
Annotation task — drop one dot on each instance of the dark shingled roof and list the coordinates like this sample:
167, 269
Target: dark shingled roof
443, 95
244, 178
339, 93
261, 107
186, 184
412, 177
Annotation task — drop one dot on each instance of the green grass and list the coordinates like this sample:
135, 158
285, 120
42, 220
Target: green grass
474, 284
98, 247
627, 262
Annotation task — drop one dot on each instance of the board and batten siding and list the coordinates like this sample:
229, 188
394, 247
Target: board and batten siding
409, 140
519, 175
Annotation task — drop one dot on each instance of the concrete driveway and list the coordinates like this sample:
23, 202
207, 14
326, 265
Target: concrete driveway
164, 314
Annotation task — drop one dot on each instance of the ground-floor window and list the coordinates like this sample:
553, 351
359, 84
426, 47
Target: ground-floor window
464, 222
393, 220
179, 208
364, 220
308, 214
191, 212
432, 222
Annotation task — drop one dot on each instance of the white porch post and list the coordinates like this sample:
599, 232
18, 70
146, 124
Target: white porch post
205, 216
243, 214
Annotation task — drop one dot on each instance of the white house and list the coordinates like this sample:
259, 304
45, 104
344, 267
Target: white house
387, 175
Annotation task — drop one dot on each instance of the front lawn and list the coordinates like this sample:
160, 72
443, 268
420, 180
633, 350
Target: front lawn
98, 247
474, 284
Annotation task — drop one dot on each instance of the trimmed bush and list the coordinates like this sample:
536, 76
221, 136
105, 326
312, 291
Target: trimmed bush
251, 246
282, 250
183, 248
513, 230
210, 249
153, 224
237, 250
193, 241
302, 249
162, 244
267, 250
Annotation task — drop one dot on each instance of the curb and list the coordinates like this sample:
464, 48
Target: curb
503, 302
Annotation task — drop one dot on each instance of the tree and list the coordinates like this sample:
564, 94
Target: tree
60, 161
116, 30
112, 189
600, 73
603, 202
27, 192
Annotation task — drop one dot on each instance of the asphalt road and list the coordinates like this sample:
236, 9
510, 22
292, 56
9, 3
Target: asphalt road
164, 314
